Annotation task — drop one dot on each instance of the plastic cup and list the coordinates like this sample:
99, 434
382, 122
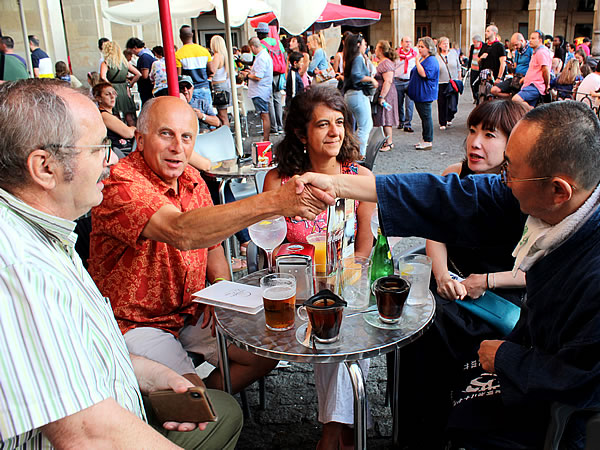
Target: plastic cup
416, 269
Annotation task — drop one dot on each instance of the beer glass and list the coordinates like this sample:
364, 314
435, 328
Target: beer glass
279, 300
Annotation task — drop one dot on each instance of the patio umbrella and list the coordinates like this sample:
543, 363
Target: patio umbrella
296, 15
333, 15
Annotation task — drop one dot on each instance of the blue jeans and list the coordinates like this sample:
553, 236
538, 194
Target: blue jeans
360, 106
405, 104
203, 93
424, 110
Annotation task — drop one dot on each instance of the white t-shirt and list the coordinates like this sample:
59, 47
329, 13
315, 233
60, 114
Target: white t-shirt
590, 84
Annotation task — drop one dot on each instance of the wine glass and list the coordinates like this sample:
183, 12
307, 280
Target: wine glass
268, 234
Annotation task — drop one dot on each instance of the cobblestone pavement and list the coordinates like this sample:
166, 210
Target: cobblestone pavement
290, 418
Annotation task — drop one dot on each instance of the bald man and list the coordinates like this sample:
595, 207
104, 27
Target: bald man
156, 240
522, 57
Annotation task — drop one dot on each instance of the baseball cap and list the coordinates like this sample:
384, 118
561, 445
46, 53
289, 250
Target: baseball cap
186, 79
262, 27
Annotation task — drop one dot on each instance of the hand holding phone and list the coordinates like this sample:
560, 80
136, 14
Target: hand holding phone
191, 406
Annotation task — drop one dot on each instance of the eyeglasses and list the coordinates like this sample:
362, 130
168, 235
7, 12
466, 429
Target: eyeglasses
106, 145
185, 87
505, 177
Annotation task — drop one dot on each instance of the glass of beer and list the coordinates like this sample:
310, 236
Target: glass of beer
391, 294
279, 299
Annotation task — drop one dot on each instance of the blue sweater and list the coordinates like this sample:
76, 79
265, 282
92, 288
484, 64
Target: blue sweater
553, 354
425, 89
319, 61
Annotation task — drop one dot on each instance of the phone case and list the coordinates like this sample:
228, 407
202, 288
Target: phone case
191, 406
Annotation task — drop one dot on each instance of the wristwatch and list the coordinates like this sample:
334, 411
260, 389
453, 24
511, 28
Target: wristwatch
203, 117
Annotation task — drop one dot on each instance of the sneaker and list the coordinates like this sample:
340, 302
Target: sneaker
424, 146
449, 124
442, 127
408, 130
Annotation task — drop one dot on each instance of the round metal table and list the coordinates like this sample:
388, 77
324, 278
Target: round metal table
358, 340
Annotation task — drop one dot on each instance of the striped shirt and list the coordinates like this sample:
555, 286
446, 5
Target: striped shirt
193, 58
61, 348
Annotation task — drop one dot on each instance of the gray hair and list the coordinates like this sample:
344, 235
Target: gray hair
254, 42
477, 38
144, 117
33, 116
428, 42
568, 142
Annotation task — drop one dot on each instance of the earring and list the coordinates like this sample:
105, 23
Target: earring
305, 149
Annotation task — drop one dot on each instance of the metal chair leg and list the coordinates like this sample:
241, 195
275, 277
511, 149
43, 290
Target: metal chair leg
261, 394
245, 406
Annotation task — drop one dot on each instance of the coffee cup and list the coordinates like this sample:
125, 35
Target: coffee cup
324, 311
391, 293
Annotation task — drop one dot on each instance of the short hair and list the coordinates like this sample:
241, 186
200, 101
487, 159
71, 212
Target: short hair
501, 115
539, 33
186, 33
568, 142
143, 120
101, 42
297, 56
98, 88
8, 41
428, 42
586, 39
33, 116
261, 35
158, 51
254, 42
477, 38
291, 158
493, 29
135, 43
34, 40
387, 50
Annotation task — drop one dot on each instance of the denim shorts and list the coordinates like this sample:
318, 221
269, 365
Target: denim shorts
530, 94
261, 105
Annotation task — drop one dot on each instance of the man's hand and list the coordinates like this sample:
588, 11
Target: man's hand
298, 200
476, 284
153, 376
451, 289
318, 180
483, 56
487, 354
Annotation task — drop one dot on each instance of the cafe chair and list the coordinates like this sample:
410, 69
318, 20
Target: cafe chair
560, 414
217, 145
376, 141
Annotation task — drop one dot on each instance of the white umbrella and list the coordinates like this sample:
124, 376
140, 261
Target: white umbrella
293, 15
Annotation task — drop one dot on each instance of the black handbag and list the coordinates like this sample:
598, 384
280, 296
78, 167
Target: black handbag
220, 98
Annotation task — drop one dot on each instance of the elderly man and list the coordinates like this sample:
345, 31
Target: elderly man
203, 108
67, 378
407, 57
548, 193
156, 240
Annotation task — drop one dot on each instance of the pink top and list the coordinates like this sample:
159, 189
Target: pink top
298, 230
541, 57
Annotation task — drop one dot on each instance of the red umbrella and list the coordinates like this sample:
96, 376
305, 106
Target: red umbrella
332, 15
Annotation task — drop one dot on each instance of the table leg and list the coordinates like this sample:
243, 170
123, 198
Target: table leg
226, 243
360, 404
224, 361
395, 402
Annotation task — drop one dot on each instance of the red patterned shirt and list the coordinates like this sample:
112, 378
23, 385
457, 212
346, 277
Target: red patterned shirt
149, 283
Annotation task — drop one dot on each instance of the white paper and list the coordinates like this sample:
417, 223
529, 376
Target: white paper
230, 295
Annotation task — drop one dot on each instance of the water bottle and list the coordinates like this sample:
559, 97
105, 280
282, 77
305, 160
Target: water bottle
386, 105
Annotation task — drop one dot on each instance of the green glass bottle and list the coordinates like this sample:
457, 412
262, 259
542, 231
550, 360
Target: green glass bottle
381, 260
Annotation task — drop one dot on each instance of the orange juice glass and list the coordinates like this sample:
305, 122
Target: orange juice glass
319, 241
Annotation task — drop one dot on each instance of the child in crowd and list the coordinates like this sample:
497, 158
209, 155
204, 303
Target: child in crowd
294, 84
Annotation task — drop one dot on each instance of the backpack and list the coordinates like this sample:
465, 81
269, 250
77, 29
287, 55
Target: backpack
279, 66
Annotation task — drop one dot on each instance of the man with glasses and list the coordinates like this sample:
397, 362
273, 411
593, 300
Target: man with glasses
202, 107
67, 378
546, 204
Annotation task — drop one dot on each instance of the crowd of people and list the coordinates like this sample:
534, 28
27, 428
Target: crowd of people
518, 217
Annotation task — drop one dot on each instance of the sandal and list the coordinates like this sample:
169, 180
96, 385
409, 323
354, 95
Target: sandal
238, 264
387, 148
244, 248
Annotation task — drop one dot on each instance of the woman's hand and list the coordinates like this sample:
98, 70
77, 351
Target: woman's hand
450, 289
476, 284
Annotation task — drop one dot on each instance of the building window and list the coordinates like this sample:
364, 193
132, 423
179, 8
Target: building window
585, 5
583, 29
422, 30
421, 5
524, 29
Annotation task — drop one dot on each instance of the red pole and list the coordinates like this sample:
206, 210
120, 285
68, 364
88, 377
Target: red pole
168, 46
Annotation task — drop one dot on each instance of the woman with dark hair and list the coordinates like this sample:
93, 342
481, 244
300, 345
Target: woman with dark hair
297, 44
318, 138
386, 117
120, 135
490, 125
358, 86
62, 72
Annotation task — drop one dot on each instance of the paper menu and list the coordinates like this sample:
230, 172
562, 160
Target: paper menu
230, 295
340, 230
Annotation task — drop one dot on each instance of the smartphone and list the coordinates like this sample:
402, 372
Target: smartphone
190, 406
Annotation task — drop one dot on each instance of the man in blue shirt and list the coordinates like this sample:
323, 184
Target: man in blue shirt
144, 64
522, 52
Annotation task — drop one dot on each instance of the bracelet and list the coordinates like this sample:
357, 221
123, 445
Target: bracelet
493, 281
487, 280
216, 280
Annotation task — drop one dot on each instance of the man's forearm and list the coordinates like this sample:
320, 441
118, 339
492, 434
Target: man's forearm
358, 188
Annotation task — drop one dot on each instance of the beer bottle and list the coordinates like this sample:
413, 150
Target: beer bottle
381, 259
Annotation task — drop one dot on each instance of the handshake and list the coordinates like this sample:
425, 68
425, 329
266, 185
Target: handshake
307, 195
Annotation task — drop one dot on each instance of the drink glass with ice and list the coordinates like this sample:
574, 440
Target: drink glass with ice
416, 269
268, 234
354, 279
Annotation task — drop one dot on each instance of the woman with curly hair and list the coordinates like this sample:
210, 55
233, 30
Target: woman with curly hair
386, 93
318, 138
114, 70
